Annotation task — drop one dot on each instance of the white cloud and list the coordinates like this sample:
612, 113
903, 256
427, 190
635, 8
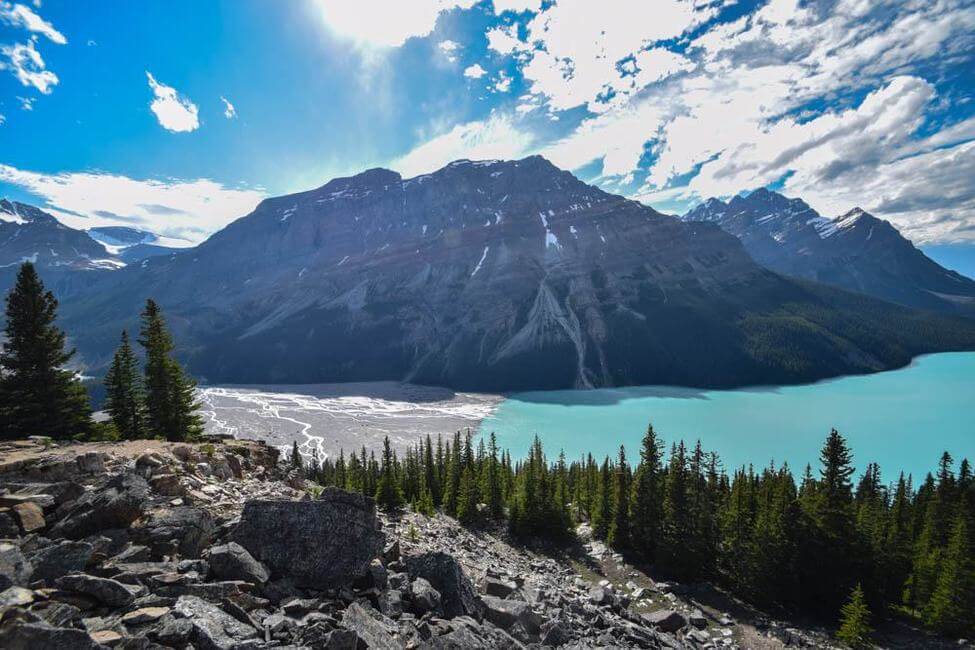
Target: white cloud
174, 112
26, 63
449, 49
518, 6
380, 23
190, 210
26, 103
503, 83
494, 138
3, 119
474, 72
229, 111
504, 40
24, 17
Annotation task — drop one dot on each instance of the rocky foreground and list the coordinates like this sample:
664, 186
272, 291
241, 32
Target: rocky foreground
148, 544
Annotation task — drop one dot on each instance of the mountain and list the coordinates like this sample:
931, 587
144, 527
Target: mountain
29, 233
493, 276
856, 251
130, 244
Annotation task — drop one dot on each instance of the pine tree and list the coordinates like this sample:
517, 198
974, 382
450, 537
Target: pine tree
603, 508
855, 628
619, 529
467, 497
647, 497
951, 609
124, 398
170, 393
389, 497
491, 481
40, 396
296, 461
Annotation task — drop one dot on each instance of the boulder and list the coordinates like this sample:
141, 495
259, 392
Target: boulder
191, 529
15, 569
496, 587
556, 634
506, 613
111, 592
697, 619
665, 620
424, 597
59, 559
117, 505
329, 542
57, 613
602, 596
391, 603
8, 524
233, 562
15, 597
457, 594
29, 516
144, 615
213, 629
371, 629
41, 636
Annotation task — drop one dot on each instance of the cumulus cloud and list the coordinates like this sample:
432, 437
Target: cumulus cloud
494, 138
229, 111
174, 112
190, 210
380, 23
449, 49
23, 17
517, 6
26, 63
474, 71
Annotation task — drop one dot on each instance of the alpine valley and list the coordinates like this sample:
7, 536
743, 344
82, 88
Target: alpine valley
514, 275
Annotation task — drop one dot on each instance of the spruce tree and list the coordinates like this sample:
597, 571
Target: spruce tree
647, 497
124, 399
170, 392
951, 609
467, 497
491, 481
855, 627
603, 508
619, 529
296, 461
389, 497
40, 395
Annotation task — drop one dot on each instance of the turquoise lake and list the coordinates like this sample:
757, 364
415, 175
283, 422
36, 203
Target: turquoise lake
902, 419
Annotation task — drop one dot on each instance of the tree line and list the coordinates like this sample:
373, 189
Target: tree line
41, 395
817, 545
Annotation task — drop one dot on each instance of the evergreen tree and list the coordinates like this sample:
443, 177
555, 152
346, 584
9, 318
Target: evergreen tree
170, 393
296, 461
389, 497
39, 395
951, 609
603, 508
647, 497
467, 496
855, 628
492, 490
619, 529
124, 399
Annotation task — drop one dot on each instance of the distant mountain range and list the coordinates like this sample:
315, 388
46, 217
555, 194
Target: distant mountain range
132, 245
855, 251
493, 276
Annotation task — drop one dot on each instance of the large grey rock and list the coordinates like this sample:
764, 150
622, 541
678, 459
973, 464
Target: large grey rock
15, 597
191, 529
111, 592
665, 620
320, 544
369, 627
233, 562
116, 505
15, 569
506, 613
213, 629
41, 636
8, 524
61, 558
424, 597
458, 597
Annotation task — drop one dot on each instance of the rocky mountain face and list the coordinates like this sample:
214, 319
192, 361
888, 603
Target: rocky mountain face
493, 276
130, 244
30, 234
855, 251
148, 544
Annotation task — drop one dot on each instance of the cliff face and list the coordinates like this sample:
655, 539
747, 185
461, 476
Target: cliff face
488, 276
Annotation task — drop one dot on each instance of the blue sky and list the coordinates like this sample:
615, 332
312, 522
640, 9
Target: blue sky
178, 116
